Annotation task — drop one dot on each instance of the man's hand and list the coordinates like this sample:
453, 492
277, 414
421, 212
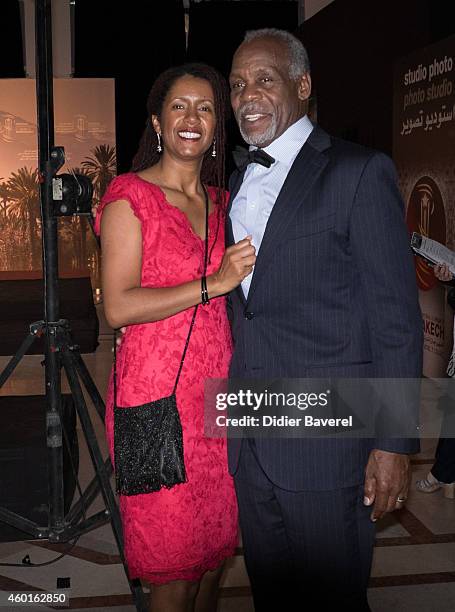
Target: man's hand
387, 479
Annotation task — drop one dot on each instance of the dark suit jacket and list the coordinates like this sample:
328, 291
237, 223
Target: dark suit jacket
333, 294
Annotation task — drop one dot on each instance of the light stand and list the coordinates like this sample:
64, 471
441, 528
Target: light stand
60, 351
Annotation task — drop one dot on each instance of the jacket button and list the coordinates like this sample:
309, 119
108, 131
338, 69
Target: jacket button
249, 315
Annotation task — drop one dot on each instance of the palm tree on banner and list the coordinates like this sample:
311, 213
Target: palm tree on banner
5, 230
23, 196
101, 167
14, 251
3, 204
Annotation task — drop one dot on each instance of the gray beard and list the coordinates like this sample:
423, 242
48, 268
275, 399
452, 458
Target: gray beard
258, 140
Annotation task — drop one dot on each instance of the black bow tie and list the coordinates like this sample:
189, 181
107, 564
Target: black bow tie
243, 157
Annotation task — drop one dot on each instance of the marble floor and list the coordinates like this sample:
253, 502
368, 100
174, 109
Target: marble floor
414, 561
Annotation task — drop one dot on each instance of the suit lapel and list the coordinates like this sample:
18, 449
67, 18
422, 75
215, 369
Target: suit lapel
235, 182
306, 168
234, 185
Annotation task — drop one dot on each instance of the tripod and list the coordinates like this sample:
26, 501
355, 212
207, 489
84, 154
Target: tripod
60, 351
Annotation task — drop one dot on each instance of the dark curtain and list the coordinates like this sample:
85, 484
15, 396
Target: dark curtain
217, 29
11, 50
132, 42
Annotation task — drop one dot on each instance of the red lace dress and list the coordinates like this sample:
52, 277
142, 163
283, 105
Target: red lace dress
180, 533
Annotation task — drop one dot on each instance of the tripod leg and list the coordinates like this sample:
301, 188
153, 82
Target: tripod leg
12, 363
102, 474
85, 501
85, 377
92, 489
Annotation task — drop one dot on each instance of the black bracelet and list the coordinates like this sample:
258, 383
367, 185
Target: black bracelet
204, 292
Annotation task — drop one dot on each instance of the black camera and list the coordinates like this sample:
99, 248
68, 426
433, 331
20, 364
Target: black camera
71, 193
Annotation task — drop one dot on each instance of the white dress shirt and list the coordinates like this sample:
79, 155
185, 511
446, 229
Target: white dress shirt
254, 201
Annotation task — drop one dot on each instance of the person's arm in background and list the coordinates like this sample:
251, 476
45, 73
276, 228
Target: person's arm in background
442, 273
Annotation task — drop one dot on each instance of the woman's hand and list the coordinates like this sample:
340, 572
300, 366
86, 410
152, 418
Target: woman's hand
442, 273
126, 302
238, 261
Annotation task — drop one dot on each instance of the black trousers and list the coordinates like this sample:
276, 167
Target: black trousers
310, 546
444, 466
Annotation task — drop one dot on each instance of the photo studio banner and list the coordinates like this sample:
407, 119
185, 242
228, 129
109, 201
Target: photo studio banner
424, 152
84, 118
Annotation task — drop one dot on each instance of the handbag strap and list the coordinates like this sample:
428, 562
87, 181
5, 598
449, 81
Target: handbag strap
206, 256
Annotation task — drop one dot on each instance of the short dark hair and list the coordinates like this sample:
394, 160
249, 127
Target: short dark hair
213, 172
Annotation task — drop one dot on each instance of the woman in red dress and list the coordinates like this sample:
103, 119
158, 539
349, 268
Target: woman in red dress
152, 223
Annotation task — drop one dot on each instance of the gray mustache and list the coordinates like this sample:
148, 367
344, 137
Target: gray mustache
249, 110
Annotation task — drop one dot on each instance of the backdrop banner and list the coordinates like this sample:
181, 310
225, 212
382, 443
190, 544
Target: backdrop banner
84, 117
424, 151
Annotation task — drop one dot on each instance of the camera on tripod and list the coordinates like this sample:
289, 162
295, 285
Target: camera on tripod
64, 195
71, 193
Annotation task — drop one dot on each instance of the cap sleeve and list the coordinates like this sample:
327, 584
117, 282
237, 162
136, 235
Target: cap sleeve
122, 187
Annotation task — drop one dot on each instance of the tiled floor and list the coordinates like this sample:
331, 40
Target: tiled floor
414, 562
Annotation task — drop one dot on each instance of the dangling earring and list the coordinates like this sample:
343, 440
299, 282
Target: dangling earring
159, 148
214, 149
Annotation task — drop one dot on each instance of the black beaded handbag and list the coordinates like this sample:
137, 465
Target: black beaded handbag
148, 440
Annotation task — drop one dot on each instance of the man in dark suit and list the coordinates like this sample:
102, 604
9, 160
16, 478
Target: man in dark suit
333, 294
